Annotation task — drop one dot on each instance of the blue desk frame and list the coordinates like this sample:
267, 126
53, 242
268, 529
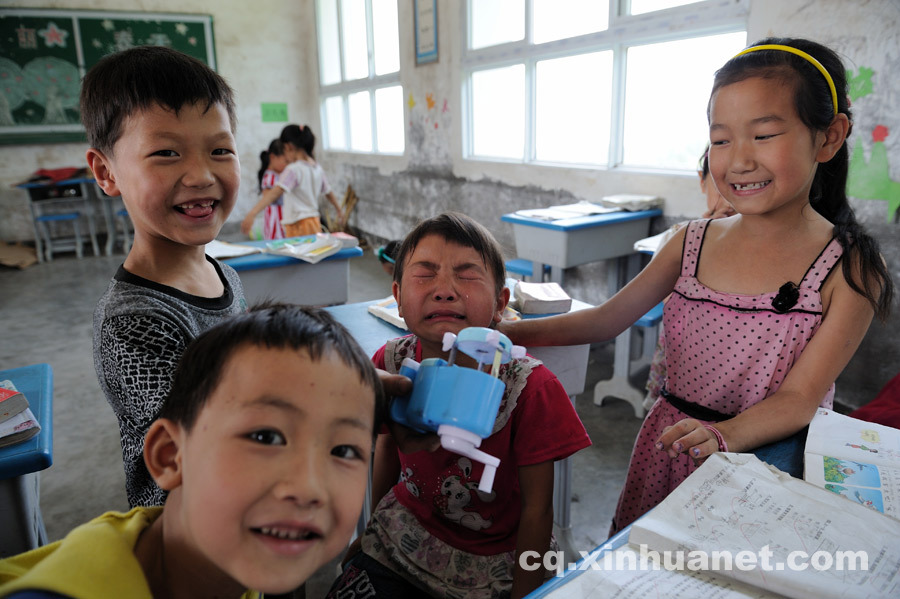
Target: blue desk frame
579, 240
21, 523
272, 276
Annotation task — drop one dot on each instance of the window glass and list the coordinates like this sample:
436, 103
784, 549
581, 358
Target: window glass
389, 119
553, 19
360, 107
639, 7
498, 112
329, 43
387, 37
356, 50
572, 108
334, 123
496, 22
665, 103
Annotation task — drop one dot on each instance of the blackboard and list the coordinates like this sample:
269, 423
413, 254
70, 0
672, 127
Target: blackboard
45, 53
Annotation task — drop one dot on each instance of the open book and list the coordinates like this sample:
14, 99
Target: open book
856, 459
311, 248
739, 528
388, 311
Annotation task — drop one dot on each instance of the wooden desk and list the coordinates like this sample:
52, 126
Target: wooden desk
282, 278
21, 523
580, 240
568, 363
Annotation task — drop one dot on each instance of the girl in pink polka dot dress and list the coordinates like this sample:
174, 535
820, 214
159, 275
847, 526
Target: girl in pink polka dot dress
768, 305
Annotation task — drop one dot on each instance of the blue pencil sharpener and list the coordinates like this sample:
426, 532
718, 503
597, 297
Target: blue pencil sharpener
459, 404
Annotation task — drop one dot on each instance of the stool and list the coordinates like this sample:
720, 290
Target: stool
123, 218
618, 385
525, 268
60, 244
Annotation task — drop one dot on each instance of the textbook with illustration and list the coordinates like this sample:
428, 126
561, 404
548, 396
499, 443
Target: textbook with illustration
855, 459
310, 248
735, 507
20, 427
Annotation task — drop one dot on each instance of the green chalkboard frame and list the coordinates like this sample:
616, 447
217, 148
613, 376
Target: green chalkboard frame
45, 53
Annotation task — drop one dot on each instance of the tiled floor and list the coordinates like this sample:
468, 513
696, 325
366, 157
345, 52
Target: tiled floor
46, 316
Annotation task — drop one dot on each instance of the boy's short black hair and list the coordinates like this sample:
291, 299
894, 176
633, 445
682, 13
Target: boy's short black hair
460, 229
273, 326
134, 80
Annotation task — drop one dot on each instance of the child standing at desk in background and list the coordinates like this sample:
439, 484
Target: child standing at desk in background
273, 162
161, 129
387, 256
432, 532
301, 183
758, 326
266, 474
716, 207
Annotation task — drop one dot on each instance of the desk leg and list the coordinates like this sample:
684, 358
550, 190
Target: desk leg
626, 269
557, 274
38, 246
562, 507
21, 523
109, 220
87, 192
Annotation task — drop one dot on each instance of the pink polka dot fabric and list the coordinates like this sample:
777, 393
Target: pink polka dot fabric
724, 351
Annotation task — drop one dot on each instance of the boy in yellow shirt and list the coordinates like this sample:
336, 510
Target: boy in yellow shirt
265, 474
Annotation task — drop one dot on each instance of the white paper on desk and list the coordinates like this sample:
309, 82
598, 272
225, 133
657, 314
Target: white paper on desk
548, 214
737, 503
584, 208
222, 249
651, 244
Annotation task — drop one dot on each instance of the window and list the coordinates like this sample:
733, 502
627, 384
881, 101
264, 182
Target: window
598, 83
359, 76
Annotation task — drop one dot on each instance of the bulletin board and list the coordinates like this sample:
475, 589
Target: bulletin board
44, 55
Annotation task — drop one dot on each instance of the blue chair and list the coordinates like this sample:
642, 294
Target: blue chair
57, 244
524, 268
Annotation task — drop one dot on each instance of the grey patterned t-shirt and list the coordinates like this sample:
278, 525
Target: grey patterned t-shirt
140, 331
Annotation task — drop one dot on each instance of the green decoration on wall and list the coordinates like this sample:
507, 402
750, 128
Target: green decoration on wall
274, 112
872, 180
860, 85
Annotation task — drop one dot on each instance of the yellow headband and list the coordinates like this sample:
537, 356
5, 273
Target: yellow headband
803, 55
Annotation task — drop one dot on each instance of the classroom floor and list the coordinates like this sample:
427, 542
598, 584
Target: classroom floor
46, 316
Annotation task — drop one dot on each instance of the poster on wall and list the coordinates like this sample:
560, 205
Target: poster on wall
44, 54
426, 31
